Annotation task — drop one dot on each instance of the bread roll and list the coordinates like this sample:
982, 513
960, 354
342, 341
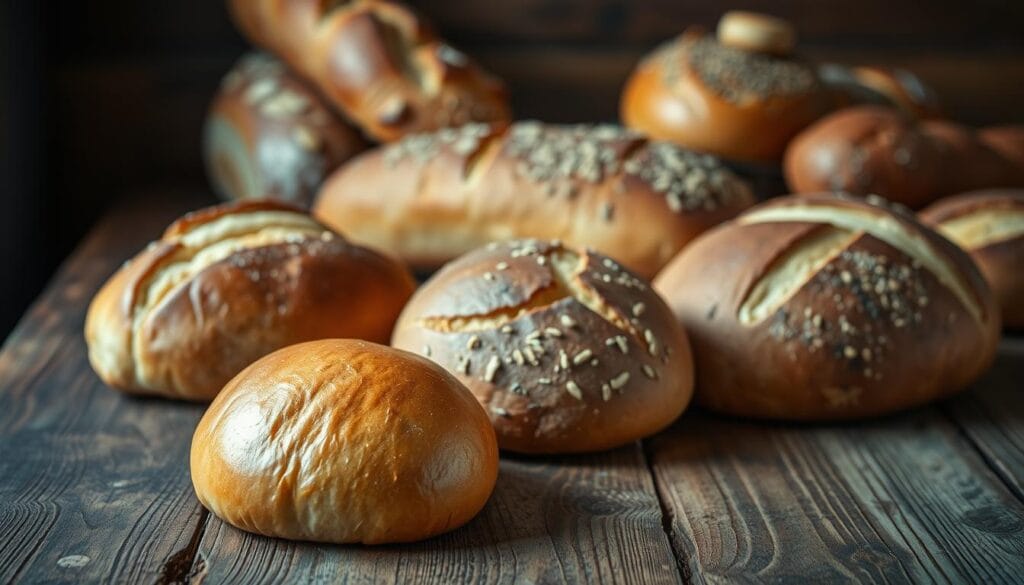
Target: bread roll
567, 350
269, 134
818, 308
878, 150
989, 225
377, 62
227, 285
433, 197
741, 96
344, 441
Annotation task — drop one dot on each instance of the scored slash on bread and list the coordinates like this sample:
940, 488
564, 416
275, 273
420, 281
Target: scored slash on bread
567, 349
225, 286
824, 307
432, 197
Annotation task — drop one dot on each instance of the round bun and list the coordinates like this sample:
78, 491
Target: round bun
344, 441
738, 104
759, 33
269, 134
568, 351
989, 225
433, 197
820, 307
227, 285
879, 150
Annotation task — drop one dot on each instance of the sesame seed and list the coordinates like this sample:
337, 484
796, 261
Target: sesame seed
553, 332
619, 381
638, 309
620, 341
518, 356
849, 352
606, 392
563, 359
473, 342
610, 264
542, 260
574, 389
507, 329
463, 366
544, 381
649, 372
567, 321
488, 276
652, 342
501, 266
582, 356
499, 411
426, 350
492, 368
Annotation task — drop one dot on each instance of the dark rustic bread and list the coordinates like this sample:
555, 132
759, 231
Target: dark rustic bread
819, 307
879, 150
989, 225
567, 350
377, 61
433, 197
227, 285
269, 134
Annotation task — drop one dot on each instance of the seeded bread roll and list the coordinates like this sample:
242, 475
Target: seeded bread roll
269, 134
227, 285
377, 62
433, 197
740, 97
567, 351
821, 308
989, 225
344, 441
878, 150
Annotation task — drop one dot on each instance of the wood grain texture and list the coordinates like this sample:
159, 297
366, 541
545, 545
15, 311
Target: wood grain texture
94, 486
587, 519
902, 499
991, 415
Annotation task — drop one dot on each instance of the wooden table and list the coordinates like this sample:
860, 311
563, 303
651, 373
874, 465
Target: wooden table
94, 485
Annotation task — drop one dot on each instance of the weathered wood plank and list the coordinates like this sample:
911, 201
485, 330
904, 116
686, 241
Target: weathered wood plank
590, 519
902, 499
95, 485
991, 415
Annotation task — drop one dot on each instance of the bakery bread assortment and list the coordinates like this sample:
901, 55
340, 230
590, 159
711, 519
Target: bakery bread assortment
989, 226
269, 134
344, 441
227, 285
820, 307
741, 94
377, 62
432, 197
879, 150
567, 350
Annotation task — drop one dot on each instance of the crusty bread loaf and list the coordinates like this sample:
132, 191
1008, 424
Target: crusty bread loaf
227, 285
433, 197
344, 441
269, 134
567, 350
741, 96
820, 307
989, 225
376, 61
878, 150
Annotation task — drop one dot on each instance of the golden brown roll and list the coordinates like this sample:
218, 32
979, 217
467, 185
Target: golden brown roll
227, 285
879, 150
344, 441
270, 134
741, 95
433, 197
567, 350
989, 225
820, 307
377, 61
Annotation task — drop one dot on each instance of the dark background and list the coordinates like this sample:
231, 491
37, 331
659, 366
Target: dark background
101, 101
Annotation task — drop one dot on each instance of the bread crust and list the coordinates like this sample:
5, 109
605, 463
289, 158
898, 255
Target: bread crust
433, 197
269, 133
567, 350
344, 441
1000, 259
377, 61
229, 284
852, 322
